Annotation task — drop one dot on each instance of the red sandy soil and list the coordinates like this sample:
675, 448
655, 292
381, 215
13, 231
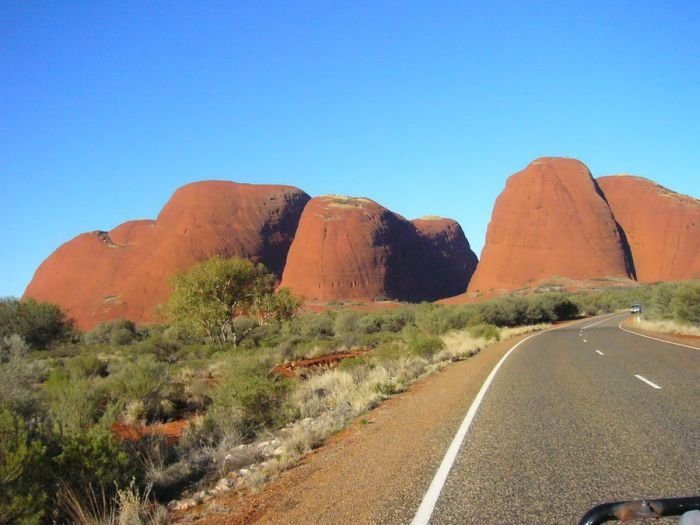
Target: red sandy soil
171, 431
125, 272
662, 227
293, 368
550, 220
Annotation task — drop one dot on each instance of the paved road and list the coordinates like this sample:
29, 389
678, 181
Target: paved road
567, 424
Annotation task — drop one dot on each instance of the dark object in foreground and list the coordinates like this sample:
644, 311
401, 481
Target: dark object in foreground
640, 509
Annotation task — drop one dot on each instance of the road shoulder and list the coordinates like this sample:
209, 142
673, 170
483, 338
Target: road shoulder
686, 340
375, 471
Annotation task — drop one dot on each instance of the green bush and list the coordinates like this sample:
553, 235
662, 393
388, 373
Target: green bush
86, 366
425, 345
369, 324
346, 322
143, 380
430, 319
117, 332
163, 349
23, 487
96, 459
389, 351
685, 305
248, 401
318, 325
72, 400
17, 377
40, 324
486, 331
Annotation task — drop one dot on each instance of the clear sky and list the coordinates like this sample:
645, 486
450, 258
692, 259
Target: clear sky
426, 107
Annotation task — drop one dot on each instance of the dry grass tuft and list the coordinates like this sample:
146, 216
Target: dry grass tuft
667, 327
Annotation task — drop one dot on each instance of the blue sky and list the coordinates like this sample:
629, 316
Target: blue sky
426, 107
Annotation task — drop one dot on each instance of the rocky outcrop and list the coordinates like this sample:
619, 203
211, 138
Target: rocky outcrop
662, 227
344, 249
446, 262
355, 249
125, 272
551, 220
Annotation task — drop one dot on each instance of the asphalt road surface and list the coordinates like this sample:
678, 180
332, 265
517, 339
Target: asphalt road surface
574, 417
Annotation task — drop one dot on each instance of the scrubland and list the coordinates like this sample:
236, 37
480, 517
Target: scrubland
62, 392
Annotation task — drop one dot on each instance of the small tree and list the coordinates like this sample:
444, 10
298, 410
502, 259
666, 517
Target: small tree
212, 294
39, 324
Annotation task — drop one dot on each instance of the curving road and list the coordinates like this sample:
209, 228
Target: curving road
576, 416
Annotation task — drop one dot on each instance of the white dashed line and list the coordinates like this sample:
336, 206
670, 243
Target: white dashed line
599, 352
585, 340
653, 385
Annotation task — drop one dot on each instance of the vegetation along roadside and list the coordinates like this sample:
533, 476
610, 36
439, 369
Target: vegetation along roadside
111, 425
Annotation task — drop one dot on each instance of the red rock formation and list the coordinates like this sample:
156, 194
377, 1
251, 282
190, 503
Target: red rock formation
446, 262
662, 227
550, 220
354, 249
342, 250
125, 272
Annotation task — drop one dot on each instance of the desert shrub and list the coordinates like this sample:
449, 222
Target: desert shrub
354, 362
72, 401
96, 459
430, 319
40, 324
246, 400
86, 366
396, 319
317, 325
162, 348
458, 317
346, 322
565, 309
389, 351
143, 380
23, 489
425, 345
507, 311
369, 324
250, 402
17, 375
685, 304
485, 331
117, 332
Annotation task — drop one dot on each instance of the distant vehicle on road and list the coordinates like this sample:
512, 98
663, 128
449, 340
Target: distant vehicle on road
636, 309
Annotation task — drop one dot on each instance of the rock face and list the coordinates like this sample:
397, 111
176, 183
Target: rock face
662, 227
355, 249
125, 272
551, 220
447, 262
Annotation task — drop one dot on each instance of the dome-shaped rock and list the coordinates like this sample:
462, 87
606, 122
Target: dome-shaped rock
662, 227
125, 272
550, 221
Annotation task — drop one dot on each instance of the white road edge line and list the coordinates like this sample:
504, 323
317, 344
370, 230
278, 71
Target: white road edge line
654, 338
427, 505
651, 384
425, 511
599, 352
